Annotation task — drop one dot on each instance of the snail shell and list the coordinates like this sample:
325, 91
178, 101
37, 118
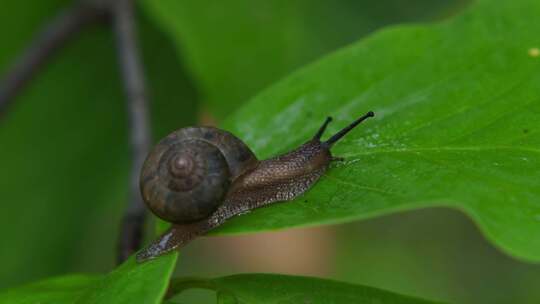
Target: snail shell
186, 176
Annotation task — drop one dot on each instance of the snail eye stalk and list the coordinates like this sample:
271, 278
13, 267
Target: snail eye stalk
322, 128
346, 130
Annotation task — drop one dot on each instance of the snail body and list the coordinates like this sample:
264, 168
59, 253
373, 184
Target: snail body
198, 177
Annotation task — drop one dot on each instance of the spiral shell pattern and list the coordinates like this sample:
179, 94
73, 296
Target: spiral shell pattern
186, 176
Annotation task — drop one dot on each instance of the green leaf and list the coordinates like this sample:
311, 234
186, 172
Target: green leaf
133, 283
273, 288
129, 283
60, 290
458, 124
236, 48
64, 145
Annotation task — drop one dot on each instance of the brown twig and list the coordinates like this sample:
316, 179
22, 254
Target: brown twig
134, 85
65, 26
55, 34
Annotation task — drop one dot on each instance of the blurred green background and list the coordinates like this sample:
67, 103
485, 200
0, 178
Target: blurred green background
64, 153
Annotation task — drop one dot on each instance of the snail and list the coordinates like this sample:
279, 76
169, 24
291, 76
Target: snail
198, 177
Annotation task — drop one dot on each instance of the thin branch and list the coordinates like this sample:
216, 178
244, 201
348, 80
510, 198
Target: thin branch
65, 26
134, 86
45, 43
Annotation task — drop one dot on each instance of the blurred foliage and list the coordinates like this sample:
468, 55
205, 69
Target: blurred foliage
68, 165
437, 253
234, 49
62, 290
434, 253
64, 145
132, 283
68, 194
260, 288
129, 283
